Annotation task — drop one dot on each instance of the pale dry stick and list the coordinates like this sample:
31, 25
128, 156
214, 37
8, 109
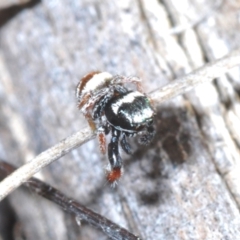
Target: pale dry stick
23, 173
204, 74
180, 86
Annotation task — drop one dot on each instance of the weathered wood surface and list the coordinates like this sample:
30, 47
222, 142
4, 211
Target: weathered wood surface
185, 185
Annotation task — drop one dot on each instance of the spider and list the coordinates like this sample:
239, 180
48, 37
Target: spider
109, 106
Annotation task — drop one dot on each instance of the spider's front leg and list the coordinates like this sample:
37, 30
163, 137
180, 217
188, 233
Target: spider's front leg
100, 106
118, 80
115, 171
125, 145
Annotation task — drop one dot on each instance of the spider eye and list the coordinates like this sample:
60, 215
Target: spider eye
139, 127
150, 121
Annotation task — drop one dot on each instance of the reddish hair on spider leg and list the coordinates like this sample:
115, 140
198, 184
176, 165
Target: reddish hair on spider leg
102, 142
114, 175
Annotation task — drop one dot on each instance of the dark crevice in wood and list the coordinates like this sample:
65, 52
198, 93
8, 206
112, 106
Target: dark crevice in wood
171, 19
8, 13
8, 220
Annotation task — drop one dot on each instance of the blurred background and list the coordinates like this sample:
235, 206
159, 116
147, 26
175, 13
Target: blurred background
185, 185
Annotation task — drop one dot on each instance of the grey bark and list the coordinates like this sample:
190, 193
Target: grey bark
185, 185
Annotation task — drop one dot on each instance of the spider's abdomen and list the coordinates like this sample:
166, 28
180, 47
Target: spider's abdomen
129, 112
92, 82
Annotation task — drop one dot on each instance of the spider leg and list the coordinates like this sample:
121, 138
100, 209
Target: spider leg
82, 101
147, 137
125, 145
101, 139
115, 160
119, 89
91, 123
107, 128
101, 135
99, 107
137, 81
118, 80
103, 100
85, 104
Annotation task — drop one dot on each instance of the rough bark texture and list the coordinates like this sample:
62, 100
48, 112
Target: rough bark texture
186, 184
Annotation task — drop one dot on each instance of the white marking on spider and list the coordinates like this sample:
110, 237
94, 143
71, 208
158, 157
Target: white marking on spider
126, 99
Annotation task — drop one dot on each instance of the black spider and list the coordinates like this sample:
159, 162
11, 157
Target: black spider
109, 106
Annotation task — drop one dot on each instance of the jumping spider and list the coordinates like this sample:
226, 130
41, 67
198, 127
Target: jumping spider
109, 106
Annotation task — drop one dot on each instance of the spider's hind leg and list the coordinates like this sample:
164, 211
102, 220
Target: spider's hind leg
102, 131
101, 139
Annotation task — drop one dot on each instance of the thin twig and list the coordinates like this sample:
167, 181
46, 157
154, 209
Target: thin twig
193, 23
177, 87
23, 173
204, 74
71, 206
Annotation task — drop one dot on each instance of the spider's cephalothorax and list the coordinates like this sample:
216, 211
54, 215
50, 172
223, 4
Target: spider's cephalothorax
109, 106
